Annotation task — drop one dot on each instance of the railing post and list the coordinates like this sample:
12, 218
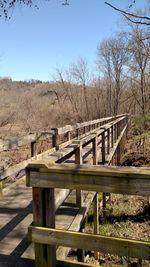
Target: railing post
38, 220
50, 222
68, 136
118, 151
77, 133
44, 215
95, 156
103, 162
79, 197
1, 189
112, 136
33, 149
108, 141
103, 149
55, 139
78, 160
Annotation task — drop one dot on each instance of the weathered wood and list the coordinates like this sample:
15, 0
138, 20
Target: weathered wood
112, 245
121, 180
68, 136
96, 220
33, 149
82, 213
78, 160
55, 138
70, 128
96, 214
95, 153
103, 149
38, 218
108, 141
112, 136
77, 221
73, 264
50, 208
1, 189
112, 153
79, 196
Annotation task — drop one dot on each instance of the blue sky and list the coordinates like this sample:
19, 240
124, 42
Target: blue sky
35, 42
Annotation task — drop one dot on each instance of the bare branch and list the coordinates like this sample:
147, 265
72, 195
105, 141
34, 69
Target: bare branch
132, 16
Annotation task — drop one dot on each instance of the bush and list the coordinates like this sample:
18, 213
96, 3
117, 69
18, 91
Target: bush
141, 123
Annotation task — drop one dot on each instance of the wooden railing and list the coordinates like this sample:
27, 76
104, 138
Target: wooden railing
79, 130
48, 176
52, 135
105, 146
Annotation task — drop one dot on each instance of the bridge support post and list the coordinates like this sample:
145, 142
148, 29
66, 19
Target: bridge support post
112, 136
33, 149
94, 143
79, 197
96, 220
108, 141
55, 139
44, 215
78, 160
1, 189
103, 162
68, 136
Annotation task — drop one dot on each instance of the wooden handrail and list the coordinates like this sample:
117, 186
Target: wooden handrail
120, 180
67, 149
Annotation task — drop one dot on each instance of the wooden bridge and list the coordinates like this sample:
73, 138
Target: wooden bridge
54, 205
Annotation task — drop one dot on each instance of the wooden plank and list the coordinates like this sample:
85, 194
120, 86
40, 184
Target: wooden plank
112, 245
66, 263
82, 213
121, 180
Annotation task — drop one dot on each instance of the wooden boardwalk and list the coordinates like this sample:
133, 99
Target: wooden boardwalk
16, 204
16, 215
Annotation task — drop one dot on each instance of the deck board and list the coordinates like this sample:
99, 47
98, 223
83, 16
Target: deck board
16, 216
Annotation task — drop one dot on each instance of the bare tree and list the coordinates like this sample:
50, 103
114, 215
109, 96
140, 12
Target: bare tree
80, 74
112, 58
139, 51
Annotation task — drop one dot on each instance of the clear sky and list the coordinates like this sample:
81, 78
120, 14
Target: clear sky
33, 43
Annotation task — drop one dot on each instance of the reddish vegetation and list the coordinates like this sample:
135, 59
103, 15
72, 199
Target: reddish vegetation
135, 159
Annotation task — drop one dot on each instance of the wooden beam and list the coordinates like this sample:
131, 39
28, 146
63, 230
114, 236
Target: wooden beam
121, 180
112, 245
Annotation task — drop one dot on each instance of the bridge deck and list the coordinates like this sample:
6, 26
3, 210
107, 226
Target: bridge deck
16, 216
